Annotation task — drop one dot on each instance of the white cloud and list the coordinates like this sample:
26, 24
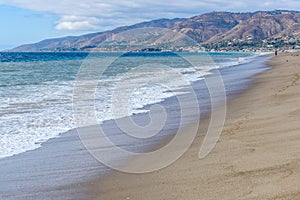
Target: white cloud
73, 26
73, 23
105, 14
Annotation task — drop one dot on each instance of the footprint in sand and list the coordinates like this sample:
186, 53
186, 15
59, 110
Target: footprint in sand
295, 79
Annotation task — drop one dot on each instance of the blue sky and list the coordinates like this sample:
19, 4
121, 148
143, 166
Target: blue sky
28, 21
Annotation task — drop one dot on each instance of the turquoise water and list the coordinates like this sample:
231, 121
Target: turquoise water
36, 89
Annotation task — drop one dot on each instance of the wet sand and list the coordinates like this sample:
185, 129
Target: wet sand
257, 156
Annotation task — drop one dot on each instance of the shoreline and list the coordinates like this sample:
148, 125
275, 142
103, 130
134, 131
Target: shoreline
65, 157
52, 133
255, 158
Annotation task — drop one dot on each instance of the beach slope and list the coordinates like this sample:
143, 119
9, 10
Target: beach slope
257, 156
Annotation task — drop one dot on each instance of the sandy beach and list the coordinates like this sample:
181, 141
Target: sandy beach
257, 156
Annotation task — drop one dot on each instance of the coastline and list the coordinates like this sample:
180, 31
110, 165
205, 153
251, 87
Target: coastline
255, 158
62, 166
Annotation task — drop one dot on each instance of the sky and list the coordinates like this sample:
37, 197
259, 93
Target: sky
29, 21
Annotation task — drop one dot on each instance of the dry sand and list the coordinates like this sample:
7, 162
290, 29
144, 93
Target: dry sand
257, 156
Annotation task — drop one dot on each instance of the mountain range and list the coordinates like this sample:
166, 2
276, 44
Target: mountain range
211, 30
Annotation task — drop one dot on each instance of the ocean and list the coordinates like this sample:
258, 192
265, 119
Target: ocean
38, 108
36, 91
